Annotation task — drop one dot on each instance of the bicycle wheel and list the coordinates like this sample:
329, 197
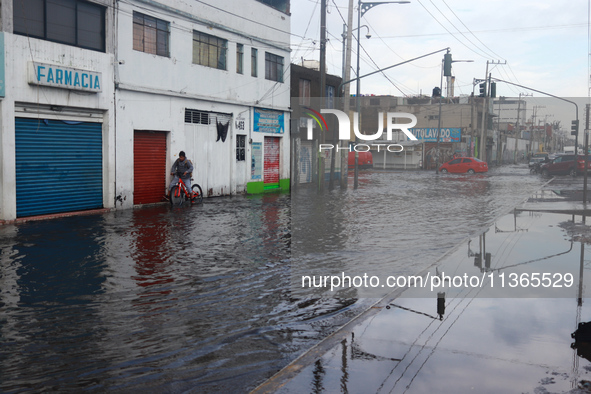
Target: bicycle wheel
197, 194
177, 196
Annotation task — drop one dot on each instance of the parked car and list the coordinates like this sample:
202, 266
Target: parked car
364, 160
537, 158
565, 165
464, 164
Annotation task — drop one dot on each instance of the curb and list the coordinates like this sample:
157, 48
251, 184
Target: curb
55, 215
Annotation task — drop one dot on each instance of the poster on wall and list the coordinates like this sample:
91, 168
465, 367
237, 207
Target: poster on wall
268, 121
256, 168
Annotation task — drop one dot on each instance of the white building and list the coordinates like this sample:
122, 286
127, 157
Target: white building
98, 98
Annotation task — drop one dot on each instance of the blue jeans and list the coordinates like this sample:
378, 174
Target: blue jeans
187, 182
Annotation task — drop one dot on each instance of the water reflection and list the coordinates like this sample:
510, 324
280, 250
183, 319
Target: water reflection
50, 302
443, 345
150, 249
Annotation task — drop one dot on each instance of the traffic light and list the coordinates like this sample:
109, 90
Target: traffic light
478, 260
487, 259
483, 89
493, 89
447, 65
574, 128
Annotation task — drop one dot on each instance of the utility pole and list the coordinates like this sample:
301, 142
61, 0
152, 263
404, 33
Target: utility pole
483, 132
545, 133
482, 150
516, 130
532, 139
499, 140
587, 110
347, 93
517, 126
321, 165
472, 134
439, 117
445, 71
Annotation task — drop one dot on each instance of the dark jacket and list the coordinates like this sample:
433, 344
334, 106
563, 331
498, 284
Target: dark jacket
180, 167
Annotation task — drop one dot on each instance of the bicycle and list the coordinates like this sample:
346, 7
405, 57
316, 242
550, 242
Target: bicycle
180, 193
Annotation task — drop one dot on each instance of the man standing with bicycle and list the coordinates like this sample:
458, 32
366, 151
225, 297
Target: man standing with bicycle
181, 169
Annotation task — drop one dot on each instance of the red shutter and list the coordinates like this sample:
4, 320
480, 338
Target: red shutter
149, 166
272, 160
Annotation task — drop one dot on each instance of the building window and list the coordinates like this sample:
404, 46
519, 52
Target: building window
273, 67
240, 147
70, 22
150, 35
305, 91
281, 5
209, 51
239, 58
196, 116
254, 63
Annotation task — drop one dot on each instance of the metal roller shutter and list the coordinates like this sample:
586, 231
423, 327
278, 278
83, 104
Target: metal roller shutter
149, 166
271, 162
59, 166
305, 164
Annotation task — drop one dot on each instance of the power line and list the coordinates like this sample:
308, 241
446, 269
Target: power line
445, 28
512, 29
452, 11
307, 27
454, 26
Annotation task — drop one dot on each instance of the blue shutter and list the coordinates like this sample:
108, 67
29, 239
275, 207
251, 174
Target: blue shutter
59, 166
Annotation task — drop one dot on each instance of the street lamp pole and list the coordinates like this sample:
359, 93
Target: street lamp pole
576, 117
439, 117
444, 71
362, 8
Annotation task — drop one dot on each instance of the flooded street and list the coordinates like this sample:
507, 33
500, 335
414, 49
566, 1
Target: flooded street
200, 299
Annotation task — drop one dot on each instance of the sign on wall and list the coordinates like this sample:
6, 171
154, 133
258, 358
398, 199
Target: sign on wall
256, 168
447, 134
268, 121
58, 76
239, 123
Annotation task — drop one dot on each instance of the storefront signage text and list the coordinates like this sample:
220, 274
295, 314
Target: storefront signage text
268, 121
447, 134
64, 77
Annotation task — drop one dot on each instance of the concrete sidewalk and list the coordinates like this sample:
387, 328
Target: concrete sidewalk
495, 315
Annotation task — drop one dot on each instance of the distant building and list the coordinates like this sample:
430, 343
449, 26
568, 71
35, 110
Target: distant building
305, 88
459, 125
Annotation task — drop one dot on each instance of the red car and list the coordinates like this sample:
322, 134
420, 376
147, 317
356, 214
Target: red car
464, 164
565, 164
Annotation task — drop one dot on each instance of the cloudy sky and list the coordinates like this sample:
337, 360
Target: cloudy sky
544, 43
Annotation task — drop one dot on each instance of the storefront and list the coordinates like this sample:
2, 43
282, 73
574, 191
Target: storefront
270, 152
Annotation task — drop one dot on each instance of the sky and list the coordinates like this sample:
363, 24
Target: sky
544, 43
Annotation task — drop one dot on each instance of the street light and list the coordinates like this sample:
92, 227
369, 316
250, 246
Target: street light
362, 8
445, 69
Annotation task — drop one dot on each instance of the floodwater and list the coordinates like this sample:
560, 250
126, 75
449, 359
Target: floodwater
199, 299
505, 323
